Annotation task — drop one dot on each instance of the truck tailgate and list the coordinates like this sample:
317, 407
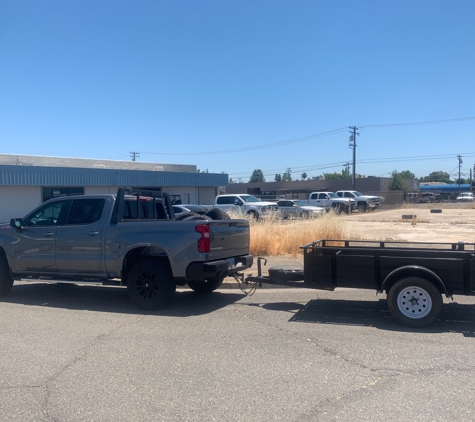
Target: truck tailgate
229, 238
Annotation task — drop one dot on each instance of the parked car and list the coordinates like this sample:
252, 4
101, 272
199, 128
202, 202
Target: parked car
331, 201
465, 197
427, 197
298, 209
182, 208
363, 202
246, 205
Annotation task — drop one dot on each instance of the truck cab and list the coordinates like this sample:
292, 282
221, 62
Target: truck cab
331, 201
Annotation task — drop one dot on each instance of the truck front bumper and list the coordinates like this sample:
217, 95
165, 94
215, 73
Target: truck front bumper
224, 267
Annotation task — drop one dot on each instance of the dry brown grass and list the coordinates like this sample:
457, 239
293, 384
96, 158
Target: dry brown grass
273, 237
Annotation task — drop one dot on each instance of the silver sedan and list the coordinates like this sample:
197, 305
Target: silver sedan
298, 209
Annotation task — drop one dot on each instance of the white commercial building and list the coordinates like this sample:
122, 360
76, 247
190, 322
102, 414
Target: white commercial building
26, 181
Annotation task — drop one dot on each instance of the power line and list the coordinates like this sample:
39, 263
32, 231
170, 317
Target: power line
365, 161
309, 137
275, 144
426, 122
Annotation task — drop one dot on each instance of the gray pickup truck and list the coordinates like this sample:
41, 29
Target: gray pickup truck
131, 239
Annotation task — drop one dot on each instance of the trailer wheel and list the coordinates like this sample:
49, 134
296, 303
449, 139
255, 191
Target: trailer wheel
150, 284
206, 286
6, 280
415, 302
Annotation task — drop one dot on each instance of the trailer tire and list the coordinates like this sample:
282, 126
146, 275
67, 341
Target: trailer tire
150, 284
6, 280
414, 302
217, 214
206, 286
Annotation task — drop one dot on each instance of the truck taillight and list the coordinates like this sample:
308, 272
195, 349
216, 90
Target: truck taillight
204, 243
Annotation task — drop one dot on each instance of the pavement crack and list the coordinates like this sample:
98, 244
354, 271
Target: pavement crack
82, 353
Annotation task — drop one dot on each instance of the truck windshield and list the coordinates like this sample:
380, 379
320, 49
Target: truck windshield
333, 195
357, 193
249, 198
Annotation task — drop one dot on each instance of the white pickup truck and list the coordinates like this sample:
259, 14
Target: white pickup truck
331, 201
246, 205
363, 202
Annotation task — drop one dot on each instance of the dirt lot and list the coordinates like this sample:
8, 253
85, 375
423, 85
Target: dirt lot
455, 222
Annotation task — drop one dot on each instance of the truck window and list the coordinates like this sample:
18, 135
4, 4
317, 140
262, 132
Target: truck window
226, 200
48, 215
145, 208
85, 211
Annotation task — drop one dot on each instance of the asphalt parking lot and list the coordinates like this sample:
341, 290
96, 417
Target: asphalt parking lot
82, 353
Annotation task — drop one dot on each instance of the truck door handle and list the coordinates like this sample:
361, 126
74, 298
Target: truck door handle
48, 234
93, 234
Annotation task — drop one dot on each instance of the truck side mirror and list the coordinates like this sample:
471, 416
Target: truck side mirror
237, 202
16, 223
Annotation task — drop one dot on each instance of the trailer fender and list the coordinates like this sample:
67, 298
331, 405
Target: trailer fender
410, 271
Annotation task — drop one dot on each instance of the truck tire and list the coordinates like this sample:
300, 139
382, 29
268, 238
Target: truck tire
415, 302
217, 214
304, 214
206, 286
6, 280
253, 215
150, 284
289, 272
191, 215
362, 207
337, 208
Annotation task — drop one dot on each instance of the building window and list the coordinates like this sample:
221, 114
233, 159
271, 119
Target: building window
49, 193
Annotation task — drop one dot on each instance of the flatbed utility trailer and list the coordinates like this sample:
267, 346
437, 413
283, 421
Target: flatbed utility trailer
414, 275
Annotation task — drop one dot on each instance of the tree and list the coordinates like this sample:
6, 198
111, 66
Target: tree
406, 174
344, 174
278, 178
437, 176
257, 176
304, 176
286, 177
231, 181
397, 182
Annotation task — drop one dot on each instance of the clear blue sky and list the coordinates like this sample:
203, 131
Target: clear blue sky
253, 82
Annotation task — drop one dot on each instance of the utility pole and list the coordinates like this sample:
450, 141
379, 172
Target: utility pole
352, 144
471, 190
134, 155
460, 163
